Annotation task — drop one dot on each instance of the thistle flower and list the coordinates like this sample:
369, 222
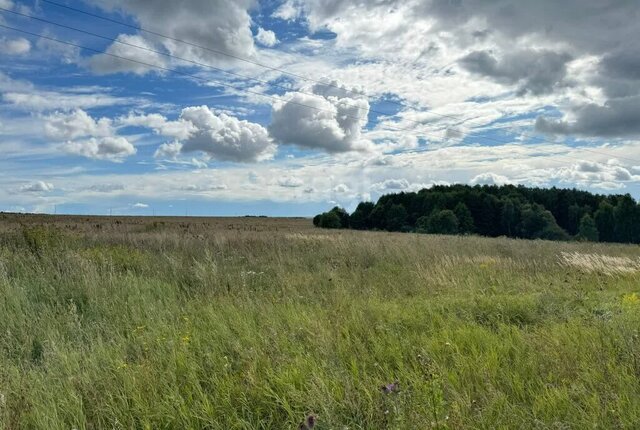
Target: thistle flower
308, 423
391, 388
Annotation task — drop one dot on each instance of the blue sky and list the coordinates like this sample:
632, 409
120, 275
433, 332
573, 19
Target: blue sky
314, 102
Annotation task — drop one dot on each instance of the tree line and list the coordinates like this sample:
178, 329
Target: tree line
491, 210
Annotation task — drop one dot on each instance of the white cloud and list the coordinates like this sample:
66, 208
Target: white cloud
199, 129
288, 10
140, 206
104, 64
205, 188
341, 188
168, 151
489, 179
266, 38
37, 187
225, 138
290, 182
104, 148
600, 175
329, 121
23, 95
18, 46
179, 129
220, 25
69, 126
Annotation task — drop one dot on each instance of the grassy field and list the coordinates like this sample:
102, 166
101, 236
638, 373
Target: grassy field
252, 323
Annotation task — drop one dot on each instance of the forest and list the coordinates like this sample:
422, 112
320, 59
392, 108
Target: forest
491, 210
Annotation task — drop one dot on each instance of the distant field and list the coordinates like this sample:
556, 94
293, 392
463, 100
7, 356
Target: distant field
252, 323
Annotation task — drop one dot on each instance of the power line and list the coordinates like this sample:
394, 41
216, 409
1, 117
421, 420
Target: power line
115, 40
233, 87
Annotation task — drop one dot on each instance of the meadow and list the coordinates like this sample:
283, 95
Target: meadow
253, 323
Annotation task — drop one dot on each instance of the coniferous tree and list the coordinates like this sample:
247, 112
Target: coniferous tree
588, 230
465, 219
605, 222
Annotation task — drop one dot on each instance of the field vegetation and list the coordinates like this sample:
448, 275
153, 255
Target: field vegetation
252, 323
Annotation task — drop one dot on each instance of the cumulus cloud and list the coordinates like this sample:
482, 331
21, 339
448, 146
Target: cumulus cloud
104, 148
218, 135
179, 129
266, 38
140, 206
18, 46
37, 187
75, 124
341, 188
533, 71
607, 176
220, 25
168, 151
397, 185
489, 178
616, 118
87, 136
104, 64
225, 138
330, 120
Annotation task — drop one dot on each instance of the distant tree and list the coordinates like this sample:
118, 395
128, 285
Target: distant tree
605, 222
626, 220
465, 220
359, 219
443, 222
574, 217
330, 220
508, 217
316, 220
539, 223
515, 211
588, 230
396, 217
343, 215
378, 216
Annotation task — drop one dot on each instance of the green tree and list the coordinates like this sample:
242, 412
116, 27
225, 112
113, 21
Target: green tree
396, 217
316, 220
330, 220
443, 222
343, 215
626, 220
508, 217
465, 219
605, 222
359, 219
588, 230
422, 224
378, 216
539, 223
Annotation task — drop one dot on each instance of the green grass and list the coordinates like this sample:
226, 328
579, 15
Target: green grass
230, 329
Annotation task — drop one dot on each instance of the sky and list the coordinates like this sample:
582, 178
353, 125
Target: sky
290, 107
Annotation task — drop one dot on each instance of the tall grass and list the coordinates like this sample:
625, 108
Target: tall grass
157, 327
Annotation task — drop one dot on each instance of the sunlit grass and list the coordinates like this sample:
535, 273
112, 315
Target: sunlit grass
235, 328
